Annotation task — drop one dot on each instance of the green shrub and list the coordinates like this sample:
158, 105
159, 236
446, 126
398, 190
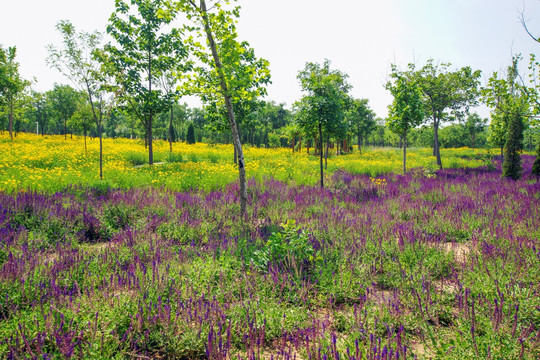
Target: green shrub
136, 159
175, 158
288, 249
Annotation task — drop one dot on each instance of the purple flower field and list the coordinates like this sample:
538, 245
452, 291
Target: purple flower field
443, 265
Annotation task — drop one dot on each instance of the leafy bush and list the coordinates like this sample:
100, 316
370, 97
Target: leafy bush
136, 159
289, 249
175, 158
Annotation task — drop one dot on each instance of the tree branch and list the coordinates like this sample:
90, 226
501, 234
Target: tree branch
524, 24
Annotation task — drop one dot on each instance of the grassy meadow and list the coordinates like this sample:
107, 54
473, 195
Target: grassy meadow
155, 262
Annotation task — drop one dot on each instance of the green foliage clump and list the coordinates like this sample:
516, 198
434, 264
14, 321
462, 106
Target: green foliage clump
514, 144
289, 249
136, 159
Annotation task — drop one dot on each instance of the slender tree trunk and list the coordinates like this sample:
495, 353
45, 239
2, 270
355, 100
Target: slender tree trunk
502, 154
300, 145
65, 129
321, 153
150, 147
235, 156
228, 104
293, 144
326, 154
10, 125
171, 130
100, 150
404, 153
436, 144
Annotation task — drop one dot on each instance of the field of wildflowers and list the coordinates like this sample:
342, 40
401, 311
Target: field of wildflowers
432, 264
51, 164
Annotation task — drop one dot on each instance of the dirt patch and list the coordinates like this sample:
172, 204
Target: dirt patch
379, 296
420, 350
447, 287
461, 250
98, 247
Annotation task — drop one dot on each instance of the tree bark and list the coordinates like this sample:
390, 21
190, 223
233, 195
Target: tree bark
326, 154
100, 151
321, 153
436, 144
150, 115
171, 130
228, 104
150, 146
99, 122
10, 126
404, 152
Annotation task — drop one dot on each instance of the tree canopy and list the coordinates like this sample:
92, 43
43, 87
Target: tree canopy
406, 111
144, 51
325, 104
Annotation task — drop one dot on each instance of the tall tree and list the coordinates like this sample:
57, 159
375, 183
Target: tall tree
406, 111
362, 120
77, 61
532, 91
143, 53
229, 68
82, 118
12, 85
512, 167
168, 83
507, 99
474, 125
325, 105
190, 136
63, 100
41, 111
446, 94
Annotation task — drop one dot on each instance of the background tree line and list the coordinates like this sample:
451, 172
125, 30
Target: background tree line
64, 110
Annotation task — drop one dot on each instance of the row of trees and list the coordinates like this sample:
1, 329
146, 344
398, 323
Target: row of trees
270, 125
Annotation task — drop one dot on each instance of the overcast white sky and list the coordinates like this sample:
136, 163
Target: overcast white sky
360, 37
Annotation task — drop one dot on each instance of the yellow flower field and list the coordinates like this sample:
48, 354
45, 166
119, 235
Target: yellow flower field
51, 163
